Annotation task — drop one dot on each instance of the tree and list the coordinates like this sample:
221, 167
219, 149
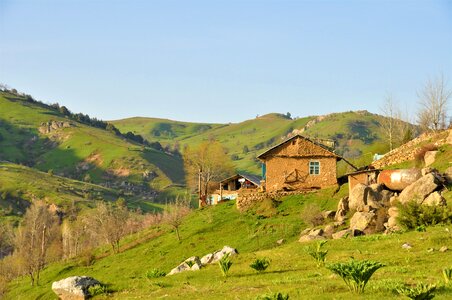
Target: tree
207, 163
433, 100
391, 120
109, 223
174, 213
34, 238
5, 239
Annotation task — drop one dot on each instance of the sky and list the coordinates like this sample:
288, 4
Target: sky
224, 61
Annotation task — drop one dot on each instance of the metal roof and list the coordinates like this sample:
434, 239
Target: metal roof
253, 178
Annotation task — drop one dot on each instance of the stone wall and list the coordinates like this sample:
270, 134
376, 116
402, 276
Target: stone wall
247, 198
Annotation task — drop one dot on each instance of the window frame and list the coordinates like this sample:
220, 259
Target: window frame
314, 165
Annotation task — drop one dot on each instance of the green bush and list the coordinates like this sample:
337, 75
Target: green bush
225, 264
317, 253
155, 273
413, 215
97, 289
260, 264
419, 292
275, 296
355, 273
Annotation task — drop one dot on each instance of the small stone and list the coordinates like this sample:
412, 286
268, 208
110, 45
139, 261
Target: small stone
407, 246
280, 242
443, 249
430, 250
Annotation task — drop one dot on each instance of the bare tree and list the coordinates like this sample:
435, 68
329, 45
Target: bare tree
390, 121
433, 100
175, 212
204, 164
109, 223
6, 239
34, 238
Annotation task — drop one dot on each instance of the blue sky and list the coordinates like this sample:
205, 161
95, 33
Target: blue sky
223, 61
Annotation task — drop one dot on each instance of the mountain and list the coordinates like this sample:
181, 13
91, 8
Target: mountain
358, 135
42, 137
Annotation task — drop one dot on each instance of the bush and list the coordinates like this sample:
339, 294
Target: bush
275, 296
225, 264
419, 292
97, 289
260, 264
317, 253
312, 215
355, 273
155, 273
413, 215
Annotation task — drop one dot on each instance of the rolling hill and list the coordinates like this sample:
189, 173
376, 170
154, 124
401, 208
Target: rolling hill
358, 135
40, 136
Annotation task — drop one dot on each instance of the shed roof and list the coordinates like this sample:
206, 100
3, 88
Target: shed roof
253, 178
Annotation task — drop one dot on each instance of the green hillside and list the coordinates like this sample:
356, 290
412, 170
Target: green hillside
79, 151
254, 234
358, 135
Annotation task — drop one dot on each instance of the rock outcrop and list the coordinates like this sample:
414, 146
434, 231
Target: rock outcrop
190, 264
419, 189
74, 288
50, 126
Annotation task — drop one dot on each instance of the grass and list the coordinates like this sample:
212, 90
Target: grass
292, 271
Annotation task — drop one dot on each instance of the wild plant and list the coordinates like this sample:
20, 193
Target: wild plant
155, 273
225, 264
419, 292
355, 273
275, 296
260, 264
97, 289
318, 253
447, 274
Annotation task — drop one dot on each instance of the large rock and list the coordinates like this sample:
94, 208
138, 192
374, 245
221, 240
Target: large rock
362, 220
341, 234
308, 238
419, 189
190, 264
448, 175
434, 199
217, 255
358, 197
74, 288
342, 209
429, 157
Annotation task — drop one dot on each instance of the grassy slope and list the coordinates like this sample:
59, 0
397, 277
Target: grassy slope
291, 270
21, 142
353, 131
28, 184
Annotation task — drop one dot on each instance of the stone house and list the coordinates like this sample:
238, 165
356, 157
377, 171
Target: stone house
299, 163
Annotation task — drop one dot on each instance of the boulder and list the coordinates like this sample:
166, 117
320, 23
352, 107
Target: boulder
328, 230
449, 137
316, 232
190, 264
74, 288
342, 209
358, 197
207, 259
308, 238
393, 211
429, 157
217, 255
434, 199
341, 234
362, 221
419, 189
328, 214
448, 175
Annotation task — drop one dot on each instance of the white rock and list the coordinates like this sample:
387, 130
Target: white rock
74, 288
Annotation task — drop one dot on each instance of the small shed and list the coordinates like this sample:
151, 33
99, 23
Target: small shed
230, 187
366, 177
299, 163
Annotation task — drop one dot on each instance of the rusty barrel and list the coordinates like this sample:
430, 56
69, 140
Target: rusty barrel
397, 180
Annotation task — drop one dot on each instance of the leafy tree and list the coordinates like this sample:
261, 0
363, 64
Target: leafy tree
204, 164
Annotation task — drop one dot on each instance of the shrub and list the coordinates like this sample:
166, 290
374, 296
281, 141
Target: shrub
275, 296
260, 264
155, 273
413, 215
447, 274
312, 215
355, 273
225, 264
97, 289
419, 292
317, 253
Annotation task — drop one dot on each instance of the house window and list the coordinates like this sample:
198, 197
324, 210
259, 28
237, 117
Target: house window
314, 168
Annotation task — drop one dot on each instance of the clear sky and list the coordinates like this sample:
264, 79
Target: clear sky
223, 61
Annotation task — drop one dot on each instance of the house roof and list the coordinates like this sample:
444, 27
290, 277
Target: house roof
264, 154
253, 178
